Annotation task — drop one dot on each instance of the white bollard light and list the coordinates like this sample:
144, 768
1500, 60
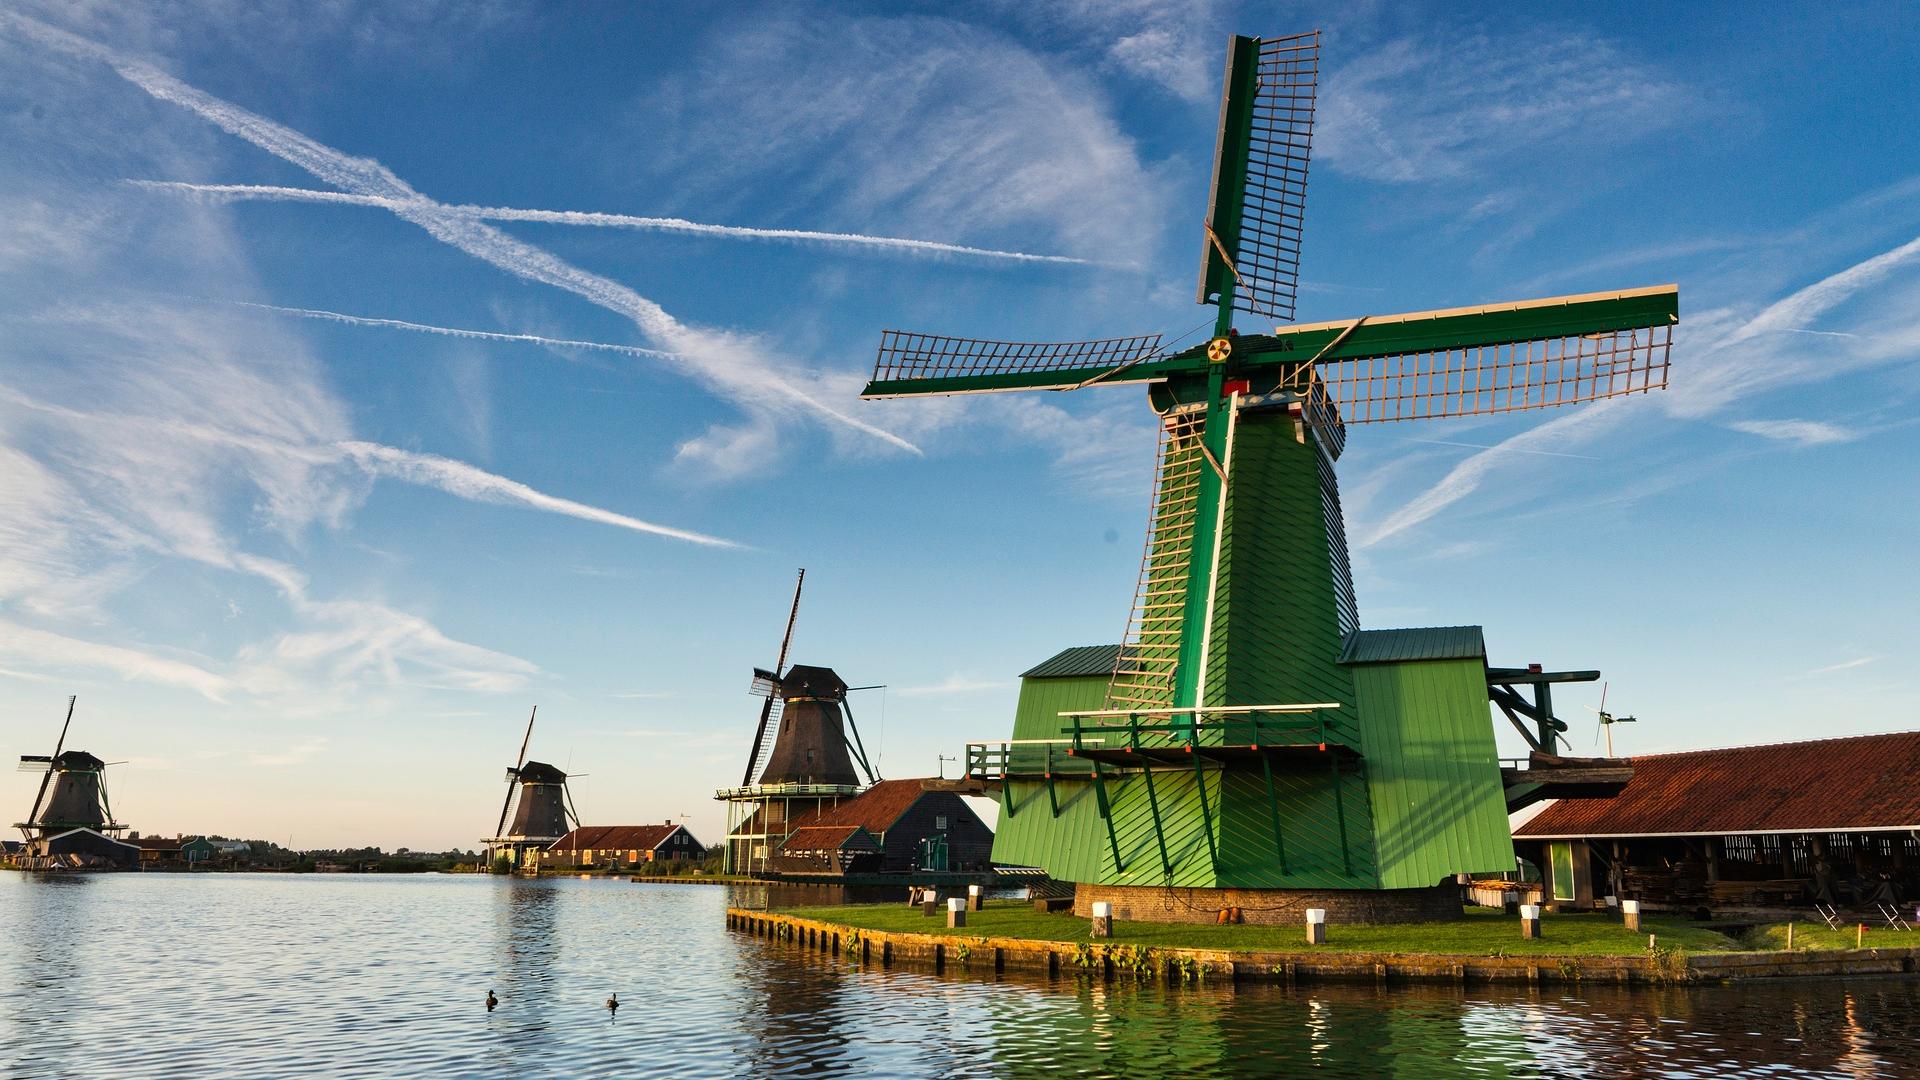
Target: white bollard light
956, 911
1630, 913
1529, 920
1102, 919
1316, 926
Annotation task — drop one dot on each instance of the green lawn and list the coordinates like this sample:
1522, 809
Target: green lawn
1480, 933
1815, 935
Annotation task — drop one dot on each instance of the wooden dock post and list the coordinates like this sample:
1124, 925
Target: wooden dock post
1316, 926
1102, 919
1630, 914
976, 898
956, 913
929, 904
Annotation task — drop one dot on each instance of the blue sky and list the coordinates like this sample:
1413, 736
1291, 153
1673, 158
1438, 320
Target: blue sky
308, 574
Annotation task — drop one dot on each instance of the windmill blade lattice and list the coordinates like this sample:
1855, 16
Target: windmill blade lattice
906, 357
1500, 378
1263, 232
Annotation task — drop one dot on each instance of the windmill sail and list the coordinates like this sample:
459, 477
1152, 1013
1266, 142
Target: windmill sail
1257, 205
910, 363
1406, 372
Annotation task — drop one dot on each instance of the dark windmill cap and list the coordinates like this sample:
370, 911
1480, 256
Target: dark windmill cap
802, 681
539, 772
78, 760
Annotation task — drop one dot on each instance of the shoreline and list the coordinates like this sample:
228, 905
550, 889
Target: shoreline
1112, 959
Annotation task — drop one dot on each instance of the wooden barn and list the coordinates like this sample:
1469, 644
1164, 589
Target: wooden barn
830, 849
616, 846
915, 829
1831, 821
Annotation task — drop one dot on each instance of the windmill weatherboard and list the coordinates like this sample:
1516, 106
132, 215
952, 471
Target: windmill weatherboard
1248, 734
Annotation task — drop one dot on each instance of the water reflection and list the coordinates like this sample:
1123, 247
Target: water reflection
168, 975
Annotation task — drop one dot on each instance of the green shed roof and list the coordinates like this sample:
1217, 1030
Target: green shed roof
1415, 643
1076, 663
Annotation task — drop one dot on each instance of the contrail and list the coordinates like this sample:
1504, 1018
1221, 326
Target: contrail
452, 331
724, 362
467, 482
429, 470
276, 193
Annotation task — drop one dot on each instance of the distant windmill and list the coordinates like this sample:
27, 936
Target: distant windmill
545, 812
1607, 720
814, 758
72, 795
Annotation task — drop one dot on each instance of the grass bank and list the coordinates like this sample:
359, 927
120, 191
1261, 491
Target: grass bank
1480, 933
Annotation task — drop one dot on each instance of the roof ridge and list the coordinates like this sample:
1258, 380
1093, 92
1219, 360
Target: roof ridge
1772, 745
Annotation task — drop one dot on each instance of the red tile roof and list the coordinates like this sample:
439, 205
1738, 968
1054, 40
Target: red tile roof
1827, 785
875, 809
830, 838
614, 838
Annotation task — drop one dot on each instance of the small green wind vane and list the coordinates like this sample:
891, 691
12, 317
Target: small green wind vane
1244, 605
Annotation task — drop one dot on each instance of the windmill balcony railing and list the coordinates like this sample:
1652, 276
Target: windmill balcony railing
783, 791
1150, 737
998, 760
1138, 736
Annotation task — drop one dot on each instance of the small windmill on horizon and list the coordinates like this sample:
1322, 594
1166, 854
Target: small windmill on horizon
1245, 744
545, 812
71, 823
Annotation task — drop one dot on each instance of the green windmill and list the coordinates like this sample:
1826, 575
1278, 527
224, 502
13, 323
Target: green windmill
1248, 734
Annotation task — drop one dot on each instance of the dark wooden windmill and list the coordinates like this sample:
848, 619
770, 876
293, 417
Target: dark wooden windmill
814, 760
544, 811
71, 822
1249, 734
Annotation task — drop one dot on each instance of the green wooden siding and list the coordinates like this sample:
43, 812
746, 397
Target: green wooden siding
1069, 847
1277, 635
1434, 774
1422, 803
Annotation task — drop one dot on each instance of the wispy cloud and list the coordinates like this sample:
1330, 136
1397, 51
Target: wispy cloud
1844, 665
981, 135
1721, 358
1466, 476
1423, 110
53, 651
1801, 432
428, 470
276, 193
730, 364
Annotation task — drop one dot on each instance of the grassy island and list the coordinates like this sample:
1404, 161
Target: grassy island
1481, 933
1481, 946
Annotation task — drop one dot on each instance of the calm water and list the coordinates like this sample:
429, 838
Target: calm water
266, 976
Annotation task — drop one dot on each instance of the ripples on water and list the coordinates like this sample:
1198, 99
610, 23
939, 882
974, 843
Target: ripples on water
135, 975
